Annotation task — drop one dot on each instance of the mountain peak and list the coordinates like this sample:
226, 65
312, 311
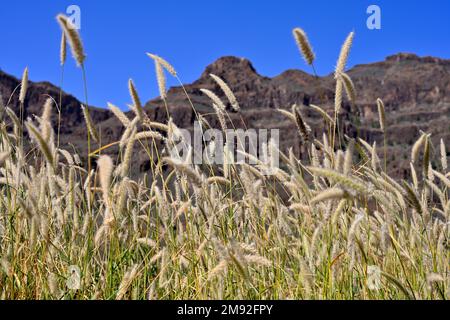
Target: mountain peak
230, 67
402, 56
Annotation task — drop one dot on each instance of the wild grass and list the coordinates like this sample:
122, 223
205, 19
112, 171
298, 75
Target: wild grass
184, 231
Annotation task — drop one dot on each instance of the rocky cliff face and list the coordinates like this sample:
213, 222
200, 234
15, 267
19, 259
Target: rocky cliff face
72, 128
415, 90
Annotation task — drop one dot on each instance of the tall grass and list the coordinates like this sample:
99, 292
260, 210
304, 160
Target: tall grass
208, 232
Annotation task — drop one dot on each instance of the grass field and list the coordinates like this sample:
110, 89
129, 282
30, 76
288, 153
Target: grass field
345, 230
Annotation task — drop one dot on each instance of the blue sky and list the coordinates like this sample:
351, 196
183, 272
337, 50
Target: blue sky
192, 34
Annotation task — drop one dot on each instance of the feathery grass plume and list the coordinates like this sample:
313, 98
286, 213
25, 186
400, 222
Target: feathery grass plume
70, 160
443, 156
366, 145
220, 115
220, 268
3, 156
303, 129
240, 264
89, 124
342, 179
338, 96
257, 259
339, 161
119, 115
157, 256
156, 125
412, 197
148, 135
71, 202
46, 119
215, 99
127, 279
300, 207
53, 286
343, 56
105, 167
443, 178
414, 176
127, 132
47, 110
352, 231
42, 143
218, 180
204, 123
24, 86
169, 68
348, 160
6, 266
193, 175
73, 37
337, 212
136, 100
437, 191
433, 278
287, 114
426, 156
349, 86
374, 157
125, 165
161, 79
146, 242
416, 147
63, 49
228, 93
304, 46
2, 105
121, 202
381, 114
329, 194
323, 113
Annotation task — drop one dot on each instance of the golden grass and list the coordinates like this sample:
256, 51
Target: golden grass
190, 233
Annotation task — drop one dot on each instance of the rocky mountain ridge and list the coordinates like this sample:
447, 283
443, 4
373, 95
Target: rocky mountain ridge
415, 90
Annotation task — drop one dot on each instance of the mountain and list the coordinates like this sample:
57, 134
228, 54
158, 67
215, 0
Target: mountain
72, 128
415, 90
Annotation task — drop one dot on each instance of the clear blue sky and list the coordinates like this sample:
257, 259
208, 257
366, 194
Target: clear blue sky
192, 34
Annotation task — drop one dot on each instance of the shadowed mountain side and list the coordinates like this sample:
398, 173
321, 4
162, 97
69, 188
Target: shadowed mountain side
415, 90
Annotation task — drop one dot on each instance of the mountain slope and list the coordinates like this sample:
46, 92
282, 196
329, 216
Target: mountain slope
415, 90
